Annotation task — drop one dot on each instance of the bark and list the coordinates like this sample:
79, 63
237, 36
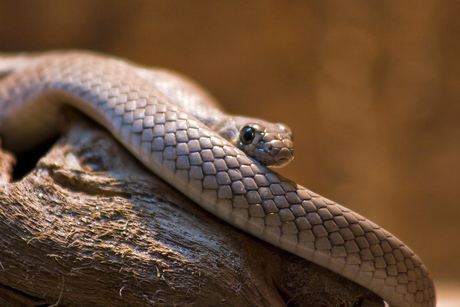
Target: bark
91, 226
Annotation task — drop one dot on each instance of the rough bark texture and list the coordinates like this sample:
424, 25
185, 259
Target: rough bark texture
90, 226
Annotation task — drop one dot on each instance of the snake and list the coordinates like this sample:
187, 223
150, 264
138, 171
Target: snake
224, 177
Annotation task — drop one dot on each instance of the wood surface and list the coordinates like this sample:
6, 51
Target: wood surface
90, 226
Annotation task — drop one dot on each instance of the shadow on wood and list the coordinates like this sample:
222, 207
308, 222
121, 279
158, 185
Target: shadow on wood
90, 226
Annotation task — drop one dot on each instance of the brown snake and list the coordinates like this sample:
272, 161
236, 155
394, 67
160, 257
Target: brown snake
208, 169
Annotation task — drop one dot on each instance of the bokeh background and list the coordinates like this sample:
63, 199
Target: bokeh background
371, 89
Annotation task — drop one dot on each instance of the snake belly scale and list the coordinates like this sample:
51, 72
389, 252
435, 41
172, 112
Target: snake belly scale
209, 170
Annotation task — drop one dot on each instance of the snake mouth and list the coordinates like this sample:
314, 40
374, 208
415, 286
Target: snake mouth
282, 162
284, 154
283, 157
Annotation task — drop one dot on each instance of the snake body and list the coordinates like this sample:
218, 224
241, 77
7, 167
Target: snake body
208, 169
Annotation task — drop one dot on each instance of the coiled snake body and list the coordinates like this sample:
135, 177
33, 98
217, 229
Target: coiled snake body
208, 169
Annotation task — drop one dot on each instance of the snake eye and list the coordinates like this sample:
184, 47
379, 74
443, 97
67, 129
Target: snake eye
247, 134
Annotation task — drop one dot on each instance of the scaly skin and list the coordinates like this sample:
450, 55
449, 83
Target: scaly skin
215, 174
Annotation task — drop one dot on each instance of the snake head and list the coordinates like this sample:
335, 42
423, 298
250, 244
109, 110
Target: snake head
270, 144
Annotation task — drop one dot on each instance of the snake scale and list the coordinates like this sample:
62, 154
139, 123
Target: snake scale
208, 169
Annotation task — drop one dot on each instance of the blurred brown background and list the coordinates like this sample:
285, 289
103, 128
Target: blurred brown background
371, 89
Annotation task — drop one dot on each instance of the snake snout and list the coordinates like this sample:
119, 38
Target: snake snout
280, 152
284, 156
